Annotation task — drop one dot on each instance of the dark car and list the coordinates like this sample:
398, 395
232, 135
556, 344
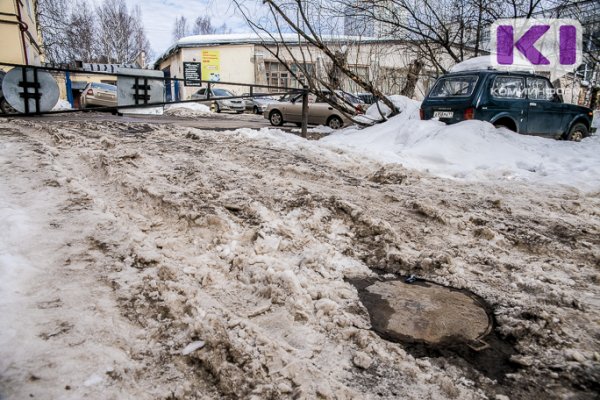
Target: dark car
523, 102
367, 98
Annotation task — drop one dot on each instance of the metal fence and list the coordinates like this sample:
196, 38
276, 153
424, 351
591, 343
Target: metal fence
35, 90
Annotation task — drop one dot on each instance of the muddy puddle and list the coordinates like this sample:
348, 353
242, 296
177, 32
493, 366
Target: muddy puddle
432, 320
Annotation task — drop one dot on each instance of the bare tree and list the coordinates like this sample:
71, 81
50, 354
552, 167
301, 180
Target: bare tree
77, 32
122, 35
53, 18
307, 19
180, 29
82, 33
203, 26
433, 34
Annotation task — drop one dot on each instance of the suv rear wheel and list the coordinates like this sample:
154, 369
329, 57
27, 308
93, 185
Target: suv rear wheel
578, 132
505, 123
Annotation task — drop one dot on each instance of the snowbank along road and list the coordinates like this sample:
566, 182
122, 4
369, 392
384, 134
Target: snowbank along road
153, 262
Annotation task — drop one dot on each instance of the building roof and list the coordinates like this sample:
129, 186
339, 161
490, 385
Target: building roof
253, 38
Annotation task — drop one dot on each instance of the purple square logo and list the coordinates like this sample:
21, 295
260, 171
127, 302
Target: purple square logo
542, 45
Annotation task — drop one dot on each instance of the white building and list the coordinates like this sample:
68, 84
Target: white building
248, 59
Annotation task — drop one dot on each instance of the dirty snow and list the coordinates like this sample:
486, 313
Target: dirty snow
475, 150
236, 248
319, 129
187, 109
62, 105
143, 111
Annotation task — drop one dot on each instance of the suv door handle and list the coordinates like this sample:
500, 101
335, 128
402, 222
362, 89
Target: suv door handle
533, 104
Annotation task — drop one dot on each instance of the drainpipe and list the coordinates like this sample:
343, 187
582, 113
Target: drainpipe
23, 28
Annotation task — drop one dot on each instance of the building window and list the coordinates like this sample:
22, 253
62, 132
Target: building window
277, 74
300, 71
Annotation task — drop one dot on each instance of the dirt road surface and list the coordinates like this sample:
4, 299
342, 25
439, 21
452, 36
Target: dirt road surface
149, 261
212, 122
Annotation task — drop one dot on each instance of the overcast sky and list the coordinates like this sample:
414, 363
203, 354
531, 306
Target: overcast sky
159, 17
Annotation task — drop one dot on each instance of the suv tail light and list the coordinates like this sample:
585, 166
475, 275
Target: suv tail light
422, 113
359, 110
90, 92
469, 113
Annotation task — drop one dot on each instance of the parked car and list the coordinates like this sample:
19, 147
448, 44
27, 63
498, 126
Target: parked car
320, 112
523, 102
366, 97
235, 105
98, 95
257, 104
360, 107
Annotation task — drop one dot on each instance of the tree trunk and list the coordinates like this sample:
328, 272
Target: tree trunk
412, 78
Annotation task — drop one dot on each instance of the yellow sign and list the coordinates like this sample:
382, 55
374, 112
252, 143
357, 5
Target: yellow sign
211, 65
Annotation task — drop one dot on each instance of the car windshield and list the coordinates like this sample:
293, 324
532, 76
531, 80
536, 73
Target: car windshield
222, 93
456, 86
104, 86
290, 97
350, 98
264, 98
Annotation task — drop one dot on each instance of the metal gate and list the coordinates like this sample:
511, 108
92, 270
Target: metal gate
33, 90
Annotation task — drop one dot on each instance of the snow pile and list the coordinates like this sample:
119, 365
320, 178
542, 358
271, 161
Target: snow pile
187, 109
596, 120
483, 63
62, 105
376, 112
475, 150
143, 111
320, 129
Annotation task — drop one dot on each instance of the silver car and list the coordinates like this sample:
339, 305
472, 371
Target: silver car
258, 105
98, 95
289, 109
236, 105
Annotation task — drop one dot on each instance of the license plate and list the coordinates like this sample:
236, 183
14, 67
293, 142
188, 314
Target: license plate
443, 114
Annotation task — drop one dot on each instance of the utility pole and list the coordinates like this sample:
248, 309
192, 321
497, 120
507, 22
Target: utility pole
304, 133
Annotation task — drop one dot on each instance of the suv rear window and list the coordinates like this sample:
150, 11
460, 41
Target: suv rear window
539, 89
454, 86
508, 87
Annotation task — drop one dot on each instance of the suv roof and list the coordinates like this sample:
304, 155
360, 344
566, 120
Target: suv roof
495, 72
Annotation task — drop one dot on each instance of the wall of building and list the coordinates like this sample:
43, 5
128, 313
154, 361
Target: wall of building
383, 63
236, 66
12, 47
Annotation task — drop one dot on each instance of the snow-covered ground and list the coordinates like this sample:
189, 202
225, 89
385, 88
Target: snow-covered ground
187, 109
62, 105
189, 264
475, 150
